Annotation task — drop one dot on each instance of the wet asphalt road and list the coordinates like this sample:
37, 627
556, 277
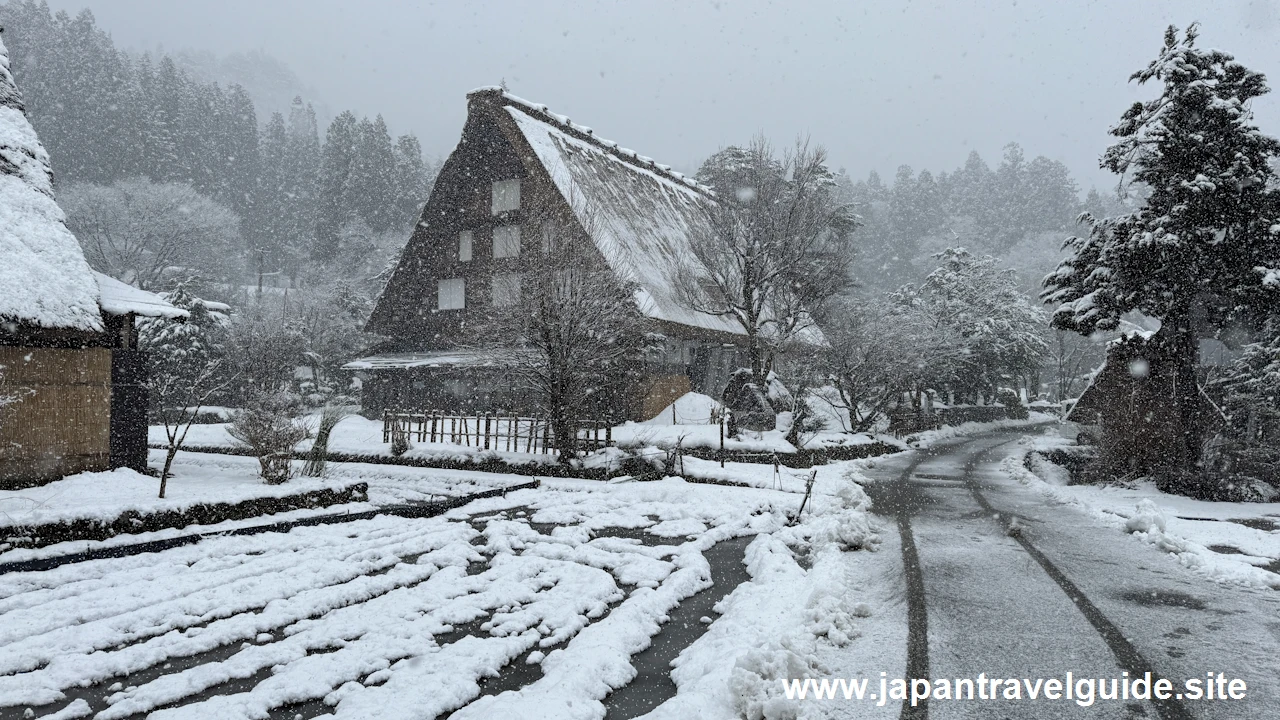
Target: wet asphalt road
1062, 592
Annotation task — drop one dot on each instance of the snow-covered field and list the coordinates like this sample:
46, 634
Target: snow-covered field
686, 422
356, 435
1228, 542
198, 479
393, 617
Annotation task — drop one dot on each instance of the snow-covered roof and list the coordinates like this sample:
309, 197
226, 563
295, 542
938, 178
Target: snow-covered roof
117, 298
443, 358
640, 220
44, 277
563, 120
640, 213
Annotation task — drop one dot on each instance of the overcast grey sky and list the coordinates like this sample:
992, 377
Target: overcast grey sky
879, 83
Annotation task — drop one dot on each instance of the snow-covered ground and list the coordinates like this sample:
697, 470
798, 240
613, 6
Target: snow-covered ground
1228, 542
394, 617
355, 435
686, 422
197, 479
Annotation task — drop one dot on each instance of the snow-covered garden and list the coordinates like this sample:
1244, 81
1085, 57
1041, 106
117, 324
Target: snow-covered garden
409, 618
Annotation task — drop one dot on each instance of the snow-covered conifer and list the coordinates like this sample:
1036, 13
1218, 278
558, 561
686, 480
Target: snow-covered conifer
1192, 254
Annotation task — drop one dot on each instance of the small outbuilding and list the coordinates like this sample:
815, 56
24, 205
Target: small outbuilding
1132, 404
72, 381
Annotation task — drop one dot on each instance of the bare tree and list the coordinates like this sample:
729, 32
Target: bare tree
870, 360
188, 366
1073, 357
777, 247
180, 397
140, 231
564, 325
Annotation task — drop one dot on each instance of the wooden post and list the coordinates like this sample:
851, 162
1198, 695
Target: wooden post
486, 431
722, 440
386, 426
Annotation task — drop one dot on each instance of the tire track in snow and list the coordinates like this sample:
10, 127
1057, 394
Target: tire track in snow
900, 496
893, 496
1128, 657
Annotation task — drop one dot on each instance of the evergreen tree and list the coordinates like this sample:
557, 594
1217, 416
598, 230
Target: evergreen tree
301, 168
334, 205
1190, 255
169, 161
238, 139
371, 183
268, 233
412, 182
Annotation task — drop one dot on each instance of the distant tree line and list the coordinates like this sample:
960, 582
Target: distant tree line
106, 116
990, 210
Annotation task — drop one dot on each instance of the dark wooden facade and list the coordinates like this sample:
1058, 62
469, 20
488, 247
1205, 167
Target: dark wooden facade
79, 401
1133, 402
493, 150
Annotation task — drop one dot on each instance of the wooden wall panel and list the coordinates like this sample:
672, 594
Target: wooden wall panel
662, 390
60, 422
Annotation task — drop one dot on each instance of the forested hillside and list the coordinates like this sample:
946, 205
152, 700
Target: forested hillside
1019, 212
107, 117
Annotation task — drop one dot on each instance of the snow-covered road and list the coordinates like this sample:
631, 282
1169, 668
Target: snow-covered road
1059, 592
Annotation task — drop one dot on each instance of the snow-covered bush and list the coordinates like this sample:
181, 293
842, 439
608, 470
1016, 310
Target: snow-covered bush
269, 428
1013, 404
399, 439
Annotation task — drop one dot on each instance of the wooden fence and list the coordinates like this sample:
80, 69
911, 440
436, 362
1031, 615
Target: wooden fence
509, 433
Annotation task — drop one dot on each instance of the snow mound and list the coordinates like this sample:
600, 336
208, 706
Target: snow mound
688, 409
756, 679
832, 617
846, 529
1147, 518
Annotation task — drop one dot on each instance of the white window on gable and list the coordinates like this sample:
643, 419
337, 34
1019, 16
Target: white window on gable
506, 196
506, 241
465, 241
506, 289
451, 294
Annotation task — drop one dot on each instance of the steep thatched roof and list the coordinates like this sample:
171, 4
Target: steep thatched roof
44, 278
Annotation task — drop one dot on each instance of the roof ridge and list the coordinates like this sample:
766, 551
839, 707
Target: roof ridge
581, 132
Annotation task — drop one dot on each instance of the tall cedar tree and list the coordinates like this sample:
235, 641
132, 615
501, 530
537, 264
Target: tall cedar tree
335, 168
1191, 255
